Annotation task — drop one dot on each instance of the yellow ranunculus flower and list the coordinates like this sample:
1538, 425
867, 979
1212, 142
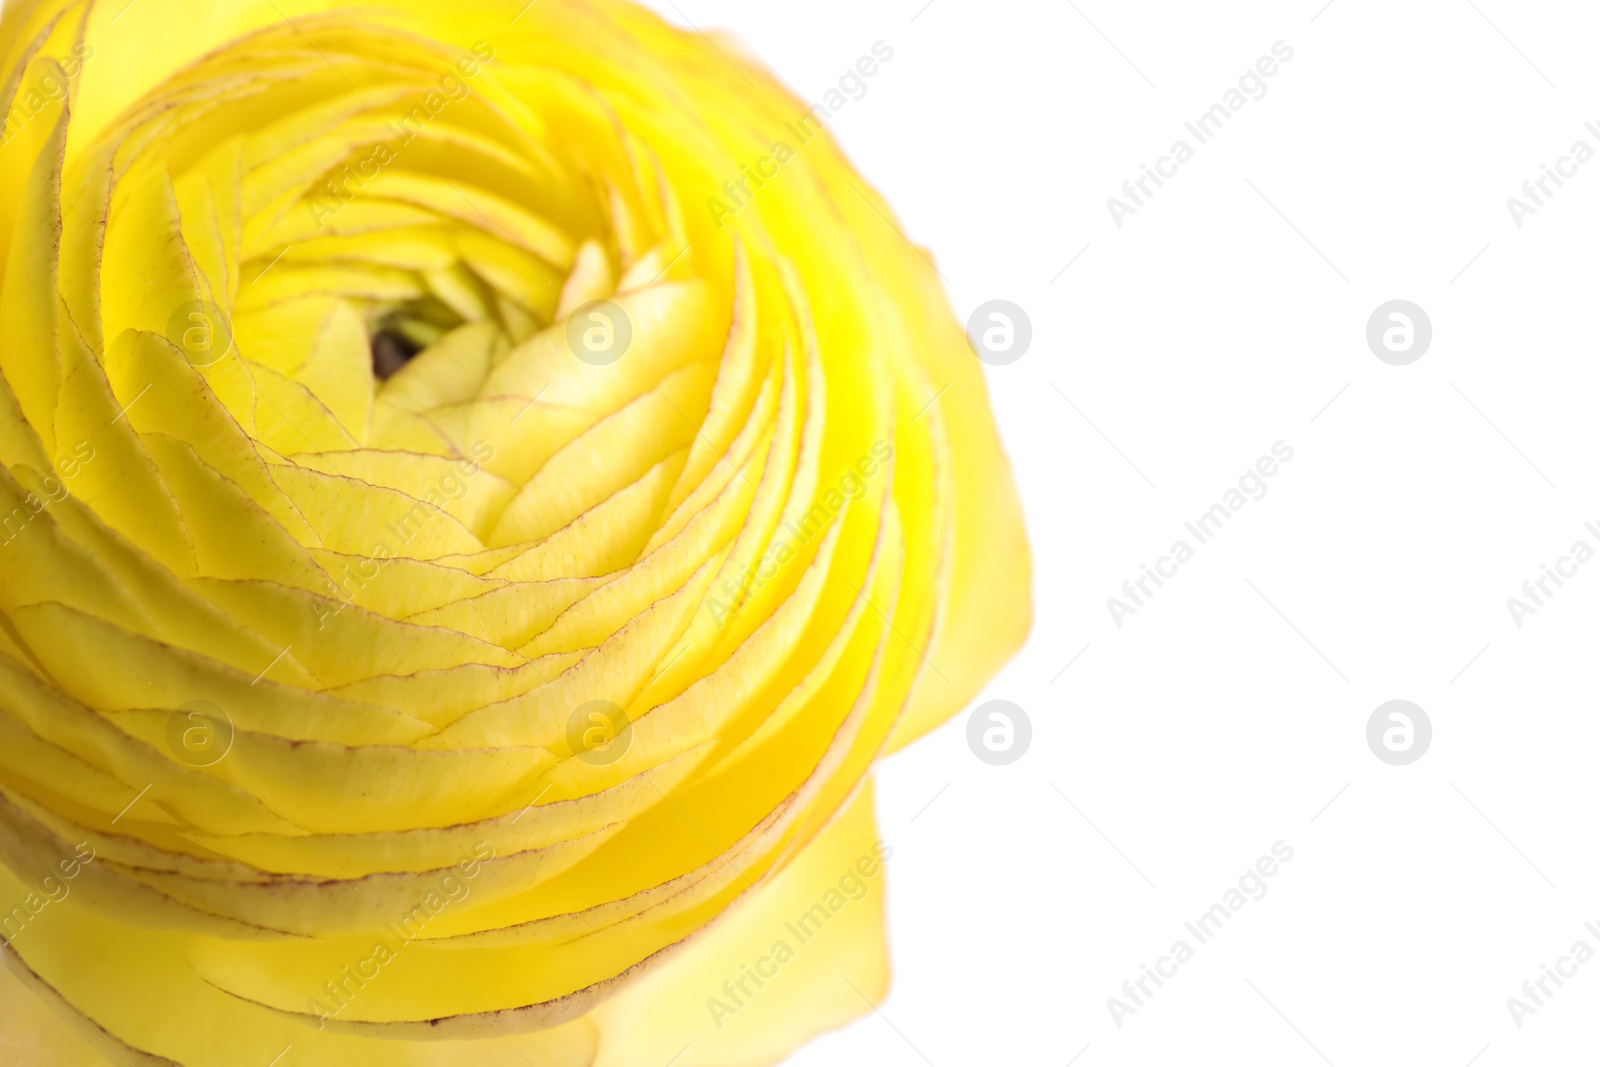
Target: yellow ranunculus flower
473, 516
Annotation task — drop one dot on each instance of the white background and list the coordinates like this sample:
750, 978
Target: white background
1226, 715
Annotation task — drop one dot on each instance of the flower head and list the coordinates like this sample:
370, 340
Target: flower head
482, 487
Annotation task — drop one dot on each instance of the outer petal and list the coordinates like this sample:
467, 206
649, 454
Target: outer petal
819, 974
